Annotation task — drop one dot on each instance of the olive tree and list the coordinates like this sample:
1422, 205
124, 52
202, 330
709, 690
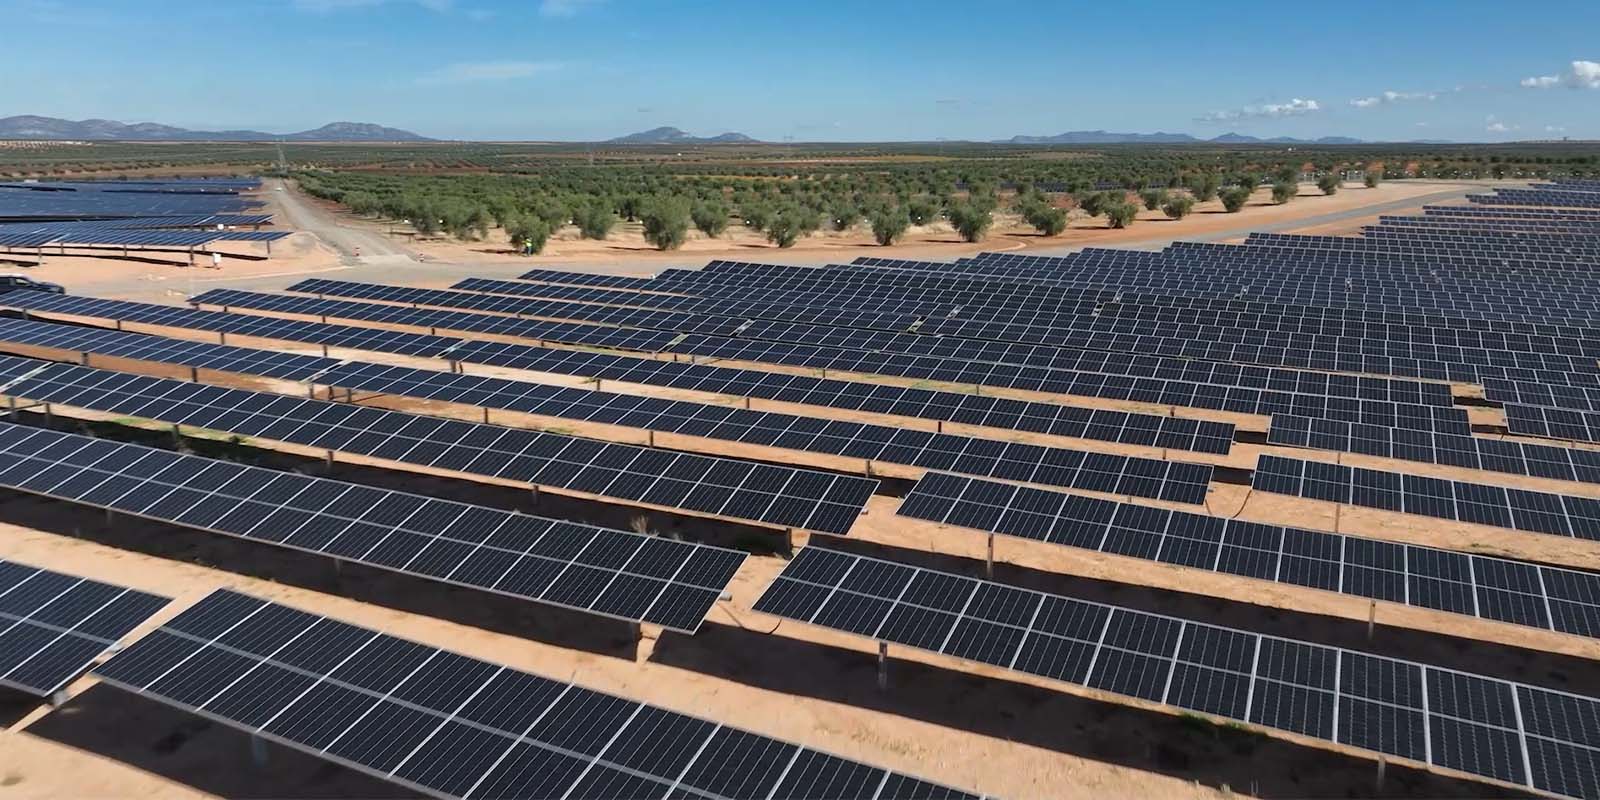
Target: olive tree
1283, 192
889, 224
710, 217
1235, 198
1178, 206
666, 222
1330, 183
1121, 214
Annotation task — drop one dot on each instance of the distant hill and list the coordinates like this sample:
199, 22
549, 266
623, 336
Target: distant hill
1107, 137
50, 128
665, 135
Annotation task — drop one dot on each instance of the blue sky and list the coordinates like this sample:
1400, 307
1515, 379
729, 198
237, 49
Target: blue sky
834, 71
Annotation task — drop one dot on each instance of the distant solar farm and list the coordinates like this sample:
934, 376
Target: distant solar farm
1339, 491
167, 215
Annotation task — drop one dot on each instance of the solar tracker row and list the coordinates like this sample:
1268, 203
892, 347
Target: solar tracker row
1119, 387
1155, 390
724, 307
1349, 350
964, 293
444, 298
1553, 423
1055, 466
271, 416
988, 411
1580, 398
453, 726
1566, 601
774, 495
435, 320
595, 570
53, 626
139, 347
1501, 507
1484, 726
1470, 452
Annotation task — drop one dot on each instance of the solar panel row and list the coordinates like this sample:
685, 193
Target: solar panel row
775, 495
1470, 452
1482, 504
53, 626
1145, 430
331, 427
453, 726
596, 570
1500, 589
1484, 726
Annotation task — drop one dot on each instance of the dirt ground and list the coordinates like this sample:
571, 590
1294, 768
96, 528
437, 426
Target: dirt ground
966, 725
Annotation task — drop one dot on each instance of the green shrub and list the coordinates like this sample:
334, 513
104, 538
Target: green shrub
1153, 198
1283, 192
1178, 207
1330, 183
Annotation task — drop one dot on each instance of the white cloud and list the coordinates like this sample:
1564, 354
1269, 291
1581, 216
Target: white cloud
1555, 129
1391, 97
481, 71
1579, 75
1293, 108
1493, 124
331, 6
564, 8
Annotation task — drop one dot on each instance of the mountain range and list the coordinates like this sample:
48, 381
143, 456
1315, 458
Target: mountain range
665, 135
1107, 137
34, 127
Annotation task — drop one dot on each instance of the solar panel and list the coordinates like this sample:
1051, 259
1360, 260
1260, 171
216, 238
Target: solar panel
53, 625
1566, 601
1525, 735
1518, 509
1470, 452
595, 570
453, 726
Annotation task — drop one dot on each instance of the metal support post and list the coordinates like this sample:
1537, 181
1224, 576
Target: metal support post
1372, 618
988, 560
883, 666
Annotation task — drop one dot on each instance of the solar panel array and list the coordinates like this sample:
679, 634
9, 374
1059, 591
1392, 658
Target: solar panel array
105, 213
53, 626
1511, 732
1483, 504
1055, 466
1500, 589
596, 570
453, 726
774, 495
1377, 401
1147, 430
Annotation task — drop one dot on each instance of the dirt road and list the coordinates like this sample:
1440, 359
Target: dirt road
293, 210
